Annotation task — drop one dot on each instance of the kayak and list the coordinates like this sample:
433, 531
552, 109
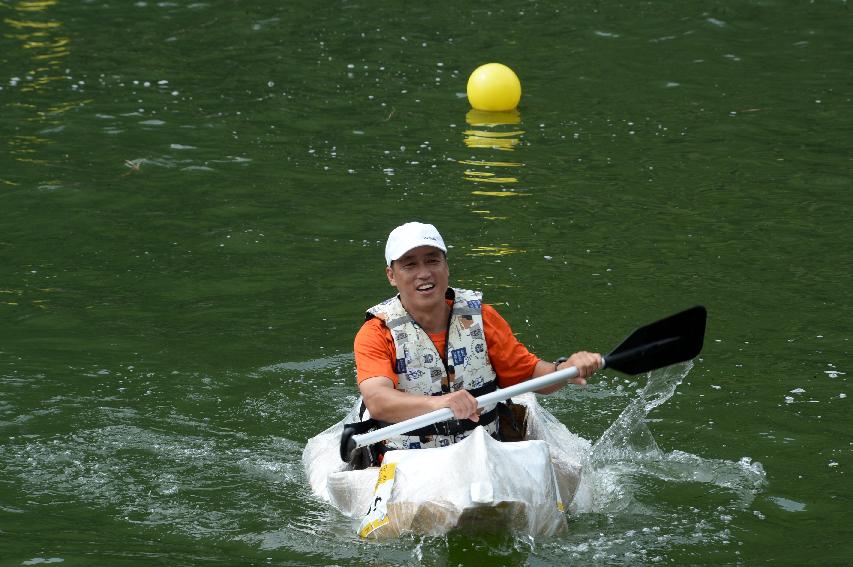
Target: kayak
478, 484
522, 486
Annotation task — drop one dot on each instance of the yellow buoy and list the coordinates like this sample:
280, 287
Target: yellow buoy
494, 87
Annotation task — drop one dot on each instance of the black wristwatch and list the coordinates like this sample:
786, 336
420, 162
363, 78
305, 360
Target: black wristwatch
560, 360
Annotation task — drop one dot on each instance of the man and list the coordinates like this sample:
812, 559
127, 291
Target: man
432, 346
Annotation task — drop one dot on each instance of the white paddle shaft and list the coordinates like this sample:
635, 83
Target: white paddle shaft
444, 414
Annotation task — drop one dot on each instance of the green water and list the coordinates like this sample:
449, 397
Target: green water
194, 199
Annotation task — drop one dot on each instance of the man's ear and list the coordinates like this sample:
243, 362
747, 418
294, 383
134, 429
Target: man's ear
389, 272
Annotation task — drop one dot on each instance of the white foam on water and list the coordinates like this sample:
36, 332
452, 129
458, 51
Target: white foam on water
211, 483
323, 363
788, 505
197, 168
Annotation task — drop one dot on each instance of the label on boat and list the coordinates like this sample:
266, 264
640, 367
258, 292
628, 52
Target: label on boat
377, 515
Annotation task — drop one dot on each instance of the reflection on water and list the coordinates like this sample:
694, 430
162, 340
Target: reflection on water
491, 163
495, 250
492, 131
487, 214
499, 193
494, 140
492, 119
485, 177
43, 48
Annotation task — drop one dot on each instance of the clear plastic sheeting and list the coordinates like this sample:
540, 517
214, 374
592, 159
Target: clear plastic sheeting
478, 484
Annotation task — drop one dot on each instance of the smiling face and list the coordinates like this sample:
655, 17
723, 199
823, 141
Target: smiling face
421, 275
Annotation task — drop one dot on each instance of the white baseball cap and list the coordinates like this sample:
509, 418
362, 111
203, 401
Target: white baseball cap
411, 235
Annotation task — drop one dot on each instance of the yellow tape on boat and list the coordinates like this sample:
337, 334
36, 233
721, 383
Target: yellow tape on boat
377, 515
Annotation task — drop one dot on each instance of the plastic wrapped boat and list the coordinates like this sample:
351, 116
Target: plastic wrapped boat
477, 484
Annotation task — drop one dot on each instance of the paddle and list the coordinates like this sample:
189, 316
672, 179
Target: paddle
673, 339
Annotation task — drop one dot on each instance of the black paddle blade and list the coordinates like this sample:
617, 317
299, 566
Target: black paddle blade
674, 339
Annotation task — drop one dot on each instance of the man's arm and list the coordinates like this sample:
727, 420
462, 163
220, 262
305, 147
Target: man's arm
386, 403
512, 361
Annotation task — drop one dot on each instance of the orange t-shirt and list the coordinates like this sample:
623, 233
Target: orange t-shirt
375, 352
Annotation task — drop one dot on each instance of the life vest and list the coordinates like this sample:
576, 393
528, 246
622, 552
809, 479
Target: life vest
420, 369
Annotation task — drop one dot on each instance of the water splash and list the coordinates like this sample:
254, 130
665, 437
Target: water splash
627, 458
